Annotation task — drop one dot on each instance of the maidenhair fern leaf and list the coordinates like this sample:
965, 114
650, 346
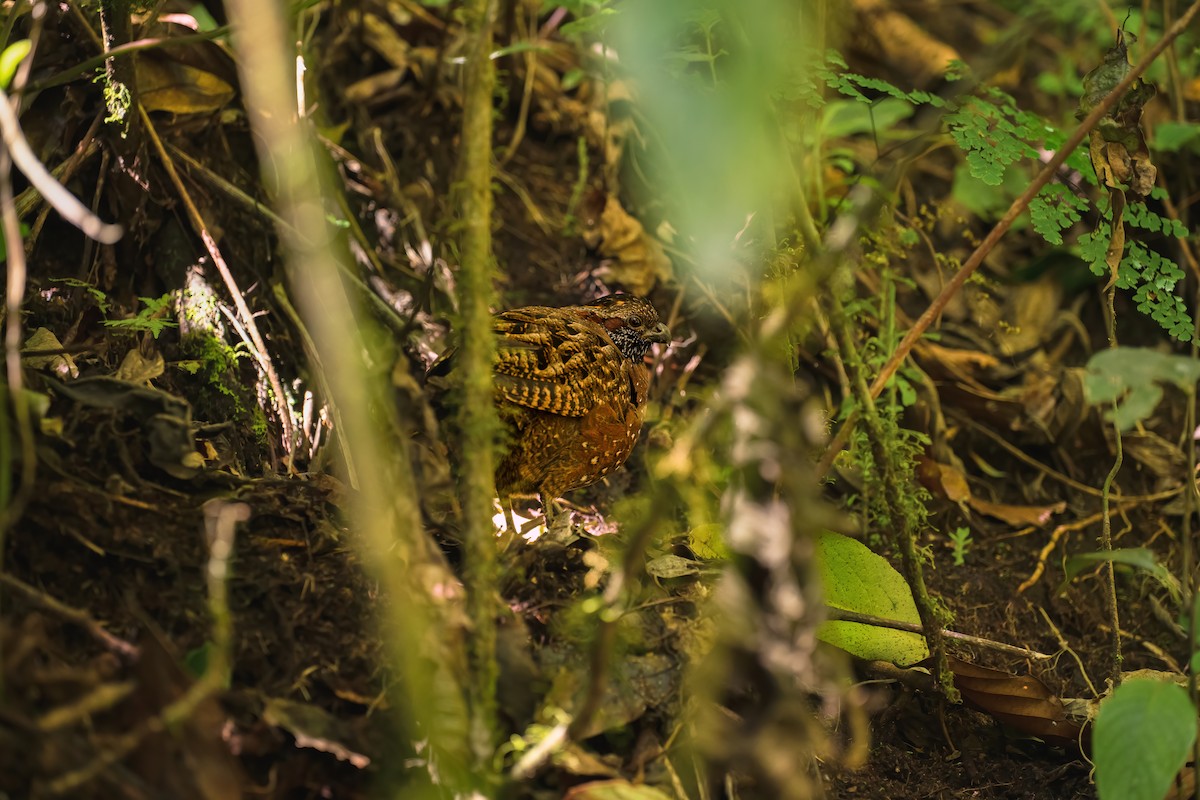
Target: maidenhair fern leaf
1054, 210
1152, 275
993, 136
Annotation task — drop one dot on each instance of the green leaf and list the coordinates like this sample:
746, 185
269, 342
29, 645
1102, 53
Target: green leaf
994, 135
1138, 557
11, 58
1143, 735
847, 117
572, 78
984, 200
1054, 210
204, 19
589, 24
196, 661
707, 542
520, 47
1174, 136
1132, 377
855, 579
671, 566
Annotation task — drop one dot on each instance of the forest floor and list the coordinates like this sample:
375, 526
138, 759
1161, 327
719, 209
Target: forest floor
144, 436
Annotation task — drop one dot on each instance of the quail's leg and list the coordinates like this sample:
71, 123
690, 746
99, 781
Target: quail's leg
549, 510
510, 524
558, 521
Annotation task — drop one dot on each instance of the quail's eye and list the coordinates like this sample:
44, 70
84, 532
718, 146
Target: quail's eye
635, 321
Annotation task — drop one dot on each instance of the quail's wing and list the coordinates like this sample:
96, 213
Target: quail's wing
554, 362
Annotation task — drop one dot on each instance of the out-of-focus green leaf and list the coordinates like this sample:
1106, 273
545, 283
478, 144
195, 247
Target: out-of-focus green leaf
1139, 557
10, 59
1132, 377
848, 117
1174, 136
707, 542
1143, 735
723, 162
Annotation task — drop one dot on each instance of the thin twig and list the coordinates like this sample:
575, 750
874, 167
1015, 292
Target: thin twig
56, 195
85, 68
387, 526
71, 614
913, 627
17, 150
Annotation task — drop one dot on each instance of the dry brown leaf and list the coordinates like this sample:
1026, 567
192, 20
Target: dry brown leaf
942, 362
901, 42
619, 789
60, 364
1023, 702
381, 36
1116, 245
168, 85
314, 727
1017, 516
140, 368
363, 91
640, 261
943, 480
1163, 458
1144, 174
1030, 310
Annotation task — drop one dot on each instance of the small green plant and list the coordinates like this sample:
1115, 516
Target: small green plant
98, 297
994, 134
960, 541
591, 16
150, 319
216, 362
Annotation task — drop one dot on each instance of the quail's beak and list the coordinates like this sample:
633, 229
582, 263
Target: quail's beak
659, 333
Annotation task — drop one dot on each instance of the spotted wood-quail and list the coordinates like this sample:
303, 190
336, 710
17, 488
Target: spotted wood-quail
571, 386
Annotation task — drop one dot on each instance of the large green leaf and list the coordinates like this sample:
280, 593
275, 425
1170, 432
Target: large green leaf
1132, 377
855, 579
1143, 735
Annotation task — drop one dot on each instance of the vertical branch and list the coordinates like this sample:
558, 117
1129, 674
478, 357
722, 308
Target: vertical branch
387, 522
477, 416
893, 485
1106, 545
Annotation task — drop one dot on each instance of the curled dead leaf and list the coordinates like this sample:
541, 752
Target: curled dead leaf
640, 261
1017, 516
943, 480
1020, 701
168, 85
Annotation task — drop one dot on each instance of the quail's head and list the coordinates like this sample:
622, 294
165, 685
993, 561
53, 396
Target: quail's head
632, 323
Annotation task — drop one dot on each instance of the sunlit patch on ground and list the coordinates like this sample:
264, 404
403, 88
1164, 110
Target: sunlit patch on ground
529, 528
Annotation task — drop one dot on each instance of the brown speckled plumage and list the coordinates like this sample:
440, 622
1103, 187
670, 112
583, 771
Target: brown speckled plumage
571, 386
